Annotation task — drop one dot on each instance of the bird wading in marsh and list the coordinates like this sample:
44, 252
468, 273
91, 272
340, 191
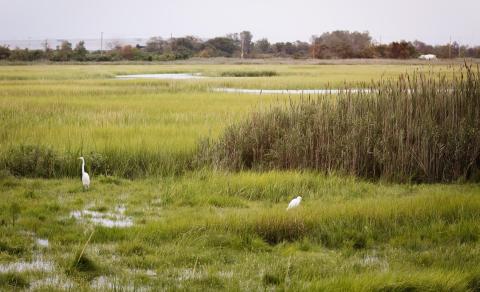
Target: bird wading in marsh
294, 203
85, 176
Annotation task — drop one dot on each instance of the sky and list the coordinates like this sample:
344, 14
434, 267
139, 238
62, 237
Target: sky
431, 21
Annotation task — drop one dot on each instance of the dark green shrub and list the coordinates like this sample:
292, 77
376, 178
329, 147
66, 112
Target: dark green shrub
33, 161
248, 74
44, 162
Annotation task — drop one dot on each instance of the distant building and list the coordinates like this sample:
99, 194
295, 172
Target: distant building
427, 57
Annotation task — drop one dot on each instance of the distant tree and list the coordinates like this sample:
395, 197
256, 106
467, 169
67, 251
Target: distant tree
185, 47
26, 55
278, 48
301, 49
454, 50
473, 52
156, 45
422, 48
318, 48
342, 44
235, 37
380, 51
80, 52
4, 52
66, 46
463, 51
262, 46
335, 44
297, 49
18, 54
245, 43
221, 46
35, 55
290, 49
450, 50
442, 51
127, 52
208, 52
401, 50
63, 52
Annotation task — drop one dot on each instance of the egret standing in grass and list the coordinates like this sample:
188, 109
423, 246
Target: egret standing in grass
85, 176
294, 203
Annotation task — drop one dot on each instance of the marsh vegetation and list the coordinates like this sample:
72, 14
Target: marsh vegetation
211, 215
418, 127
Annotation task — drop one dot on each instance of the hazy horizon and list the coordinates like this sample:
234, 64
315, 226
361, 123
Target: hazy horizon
429, 21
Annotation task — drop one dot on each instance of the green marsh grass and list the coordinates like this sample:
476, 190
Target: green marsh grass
197, 228
52, 114
347, 234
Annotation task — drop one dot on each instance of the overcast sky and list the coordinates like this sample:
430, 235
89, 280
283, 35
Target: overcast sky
278, 20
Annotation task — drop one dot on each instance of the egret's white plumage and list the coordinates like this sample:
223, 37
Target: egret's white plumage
85, 176
294, 203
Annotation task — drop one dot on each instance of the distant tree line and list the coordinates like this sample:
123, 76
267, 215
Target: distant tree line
330, 45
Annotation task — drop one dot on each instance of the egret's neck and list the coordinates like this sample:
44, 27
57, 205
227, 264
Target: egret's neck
83, 166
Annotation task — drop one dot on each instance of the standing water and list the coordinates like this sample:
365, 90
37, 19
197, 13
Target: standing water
166, 76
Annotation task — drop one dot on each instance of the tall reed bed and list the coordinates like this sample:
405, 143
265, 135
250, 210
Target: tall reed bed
422, 127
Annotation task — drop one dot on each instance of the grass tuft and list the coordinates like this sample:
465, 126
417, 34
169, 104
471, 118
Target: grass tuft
473, 284
271, 279
84, 267
11, 250
13, 281
402, 287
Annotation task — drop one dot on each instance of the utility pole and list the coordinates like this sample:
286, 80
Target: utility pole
101, 43
242, 47
313, 49
45, 45
450, 48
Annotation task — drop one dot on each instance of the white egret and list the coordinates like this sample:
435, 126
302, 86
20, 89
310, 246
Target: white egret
294, 203
85, 176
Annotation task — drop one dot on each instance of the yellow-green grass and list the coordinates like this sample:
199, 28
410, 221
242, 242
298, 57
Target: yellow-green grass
204, 229
288, 76
79, 109
210, 230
